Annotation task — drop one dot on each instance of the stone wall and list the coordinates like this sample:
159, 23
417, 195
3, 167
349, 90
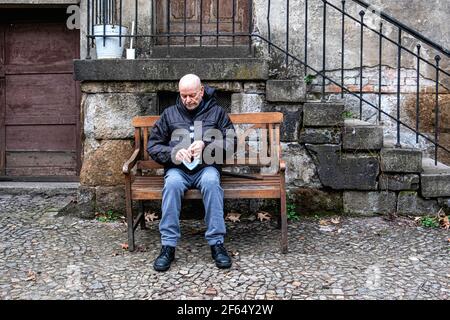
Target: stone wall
427, 17
334, 165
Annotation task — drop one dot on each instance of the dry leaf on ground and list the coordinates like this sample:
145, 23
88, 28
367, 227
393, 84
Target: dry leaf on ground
264, 216
233, 217
324, 222
31, 276
150, 216
210, 291
336, 220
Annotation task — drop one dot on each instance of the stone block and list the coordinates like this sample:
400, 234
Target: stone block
320, 135
369, 203
110, 198
103, 166
344, 171
285, 91
300, 168
398, 182
401, 160
243, 102
409, 203
435, 185
108, 116
254, 87
292, 115
358, 135
310, 201
83, 206
435, 179
323, 114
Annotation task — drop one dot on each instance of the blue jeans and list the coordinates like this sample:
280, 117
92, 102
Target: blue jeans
176, 182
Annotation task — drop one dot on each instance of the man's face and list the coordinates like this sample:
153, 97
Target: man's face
191, 96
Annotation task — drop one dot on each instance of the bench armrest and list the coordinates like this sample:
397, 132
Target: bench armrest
282, 166
127, 166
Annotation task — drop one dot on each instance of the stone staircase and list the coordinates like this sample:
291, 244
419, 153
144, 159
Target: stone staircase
353, 158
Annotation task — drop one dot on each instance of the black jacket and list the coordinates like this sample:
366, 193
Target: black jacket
161, 144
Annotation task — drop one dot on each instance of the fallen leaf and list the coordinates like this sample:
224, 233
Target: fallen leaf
124, 246
296, 284
31, 276
211, 291
141, 248
264, 216
150, 216
336, 220
324, 222
233, 217
234, 253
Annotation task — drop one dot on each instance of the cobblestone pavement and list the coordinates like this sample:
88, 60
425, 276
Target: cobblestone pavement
47, 257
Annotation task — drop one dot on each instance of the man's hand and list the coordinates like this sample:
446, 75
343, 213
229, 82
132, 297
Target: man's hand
183, 155
196, 148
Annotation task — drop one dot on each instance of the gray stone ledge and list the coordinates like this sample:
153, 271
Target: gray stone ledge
170, 69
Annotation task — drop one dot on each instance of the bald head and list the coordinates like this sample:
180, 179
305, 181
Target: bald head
190, 81
191, 91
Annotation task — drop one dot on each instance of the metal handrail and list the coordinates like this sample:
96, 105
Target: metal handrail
409, 30
322, 74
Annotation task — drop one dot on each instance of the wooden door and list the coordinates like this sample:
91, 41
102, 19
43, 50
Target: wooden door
39, 106
201, 17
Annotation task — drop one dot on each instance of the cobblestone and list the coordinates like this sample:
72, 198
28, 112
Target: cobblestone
44, 256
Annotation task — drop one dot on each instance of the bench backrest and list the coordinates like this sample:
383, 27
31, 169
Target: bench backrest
270, 121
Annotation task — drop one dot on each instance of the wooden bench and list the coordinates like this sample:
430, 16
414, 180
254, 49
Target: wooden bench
139, 187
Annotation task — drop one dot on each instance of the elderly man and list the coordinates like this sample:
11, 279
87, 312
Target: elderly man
195, 103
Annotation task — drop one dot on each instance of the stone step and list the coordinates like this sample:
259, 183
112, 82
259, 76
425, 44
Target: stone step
285, 91
435, 179
400, 160
323, 114
361, 135
39, 188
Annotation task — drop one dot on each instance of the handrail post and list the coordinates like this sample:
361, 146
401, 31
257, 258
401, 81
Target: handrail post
342, 48
418, 93
399, 67
361, 56
380, 52
88, 53
287, 35
436, 112
324, 47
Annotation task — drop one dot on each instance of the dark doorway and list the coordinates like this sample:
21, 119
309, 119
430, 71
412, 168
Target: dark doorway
39, 100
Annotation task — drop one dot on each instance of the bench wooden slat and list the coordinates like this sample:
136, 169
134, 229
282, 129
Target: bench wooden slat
145, 136
248, 162
244, 192
241, 118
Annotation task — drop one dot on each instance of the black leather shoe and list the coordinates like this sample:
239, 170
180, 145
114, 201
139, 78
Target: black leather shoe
220, 256
165, 258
